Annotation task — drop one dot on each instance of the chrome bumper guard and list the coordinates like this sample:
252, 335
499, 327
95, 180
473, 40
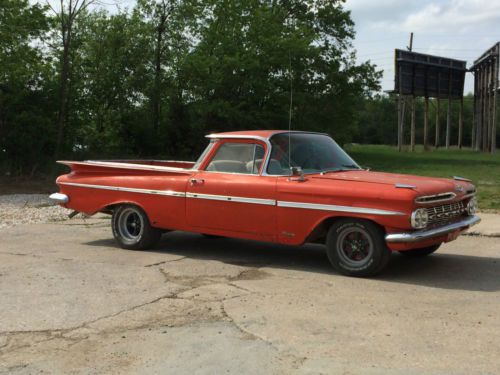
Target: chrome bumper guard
59, 198
435, 232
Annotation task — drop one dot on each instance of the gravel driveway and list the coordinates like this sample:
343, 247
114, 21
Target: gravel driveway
18, 209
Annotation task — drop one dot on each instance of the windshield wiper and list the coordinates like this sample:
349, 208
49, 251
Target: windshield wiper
343, 168
350, 167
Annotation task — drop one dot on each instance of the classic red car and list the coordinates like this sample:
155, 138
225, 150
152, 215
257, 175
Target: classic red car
277, 186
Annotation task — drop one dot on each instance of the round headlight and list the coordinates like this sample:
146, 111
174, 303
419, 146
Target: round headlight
419, 218
472, 206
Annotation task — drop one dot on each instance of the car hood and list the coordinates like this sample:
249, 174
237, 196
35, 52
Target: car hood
422, 185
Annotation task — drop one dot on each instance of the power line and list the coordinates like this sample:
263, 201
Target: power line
451, 49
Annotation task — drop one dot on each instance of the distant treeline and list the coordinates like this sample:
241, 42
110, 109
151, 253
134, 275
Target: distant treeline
81, 82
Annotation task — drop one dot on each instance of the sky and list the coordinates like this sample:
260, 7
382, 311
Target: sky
461, 29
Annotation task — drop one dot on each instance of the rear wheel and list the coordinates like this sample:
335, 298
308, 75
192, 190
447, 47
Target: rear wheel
132, 230
357, 247
422, 252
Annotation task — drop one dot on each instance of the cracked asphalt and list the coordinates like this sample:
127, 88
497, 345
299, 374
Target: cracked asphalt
72, 302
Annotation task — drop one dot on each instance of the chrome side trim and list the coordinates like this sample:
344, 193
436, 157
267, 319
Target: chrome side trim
59, 198
227, 198
120, 165
458, 178
405, 186
442, 197
169, 193
430, 233
331, 207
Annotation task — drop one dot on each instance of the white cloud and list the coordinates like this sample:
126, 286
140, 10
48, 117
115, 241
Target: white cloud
458, 16
370, 10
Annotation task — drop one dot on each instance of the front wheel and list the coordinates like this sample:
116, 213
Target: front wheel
131, 228
422, 252
357, 247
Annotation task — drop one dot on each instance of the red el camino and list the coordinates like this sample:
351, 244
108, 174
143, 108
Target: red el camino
276, 186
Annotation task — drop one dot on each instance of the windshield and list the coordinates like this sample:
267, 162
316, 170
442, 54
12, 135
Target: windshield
313, 153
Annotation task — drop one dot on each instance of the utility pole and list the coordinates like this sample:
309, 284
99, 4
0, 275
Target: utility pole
410, 47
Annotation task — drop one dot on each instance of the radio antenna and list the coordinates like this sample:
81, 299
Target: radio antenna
290, 112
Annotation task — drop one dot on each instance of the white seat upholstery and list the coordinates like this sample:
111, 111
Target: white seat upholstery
230, 166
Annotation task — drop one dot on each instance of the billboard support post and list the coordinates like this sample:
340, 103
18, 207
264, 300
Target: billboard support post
486, 86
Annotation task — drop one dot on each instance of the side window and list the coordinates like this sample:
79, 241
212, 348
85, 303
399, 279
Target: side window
235, 157
203, 155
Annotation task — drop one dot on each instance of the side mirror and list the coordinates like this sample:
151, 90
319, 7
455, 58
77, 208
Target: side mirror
297, 174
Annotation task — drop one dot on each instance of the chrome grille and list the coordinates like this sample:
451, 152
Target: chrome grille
441, 215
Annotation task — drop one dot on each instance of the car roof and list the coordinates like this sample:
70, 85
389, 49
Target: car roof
262, 134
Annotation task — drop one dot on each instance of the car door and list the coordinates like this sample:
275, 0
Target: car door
230, 196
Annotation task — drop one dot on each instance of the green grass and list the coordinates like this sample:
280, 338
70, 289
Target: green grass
483, 169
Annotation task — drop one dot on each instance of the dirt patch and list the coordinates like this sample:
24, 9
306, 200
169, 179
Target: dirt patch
252, 274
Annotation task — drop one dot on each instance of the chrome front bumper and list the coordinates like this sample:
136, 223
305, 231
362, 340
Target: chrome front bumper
435, 232
59, 198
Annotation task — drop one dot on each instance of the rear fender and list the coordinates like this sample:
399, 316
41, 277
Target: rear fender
109, 208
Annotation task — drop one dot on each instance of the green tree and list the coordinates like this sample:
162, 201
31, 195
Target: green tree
249, 51
25, 110
65, 17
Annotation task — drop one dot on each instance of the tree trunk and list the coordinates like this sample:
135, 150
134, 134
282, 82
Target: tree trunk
155, 100
63, 90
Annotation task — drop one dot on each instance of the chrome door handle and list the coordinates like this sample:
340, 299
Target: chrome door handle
197, 181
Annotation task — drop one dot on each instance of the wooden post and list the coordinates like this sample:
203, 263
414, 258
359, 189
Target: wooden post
436, 140
448, 124
400, 119
479, 137
437, 123
460, 122
401, 114
484, 120
474, 114
448, 116
412, 135
495, 103
426, 122
488, 106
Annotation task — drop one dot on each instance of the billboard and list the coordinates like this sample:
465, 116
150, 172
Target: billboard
418, 74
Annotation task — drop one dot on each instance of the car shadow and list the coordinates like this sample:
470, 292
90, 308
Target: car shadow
440, 270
